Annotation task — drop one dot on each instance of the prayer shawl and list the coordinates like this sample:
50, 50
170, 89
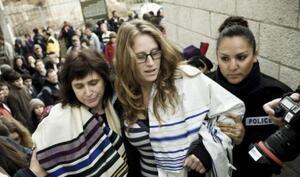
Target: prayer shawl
73, 142
199, 98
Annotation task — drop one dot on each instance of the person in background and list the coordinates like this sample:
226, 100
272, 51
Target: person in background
53, 61
27, 81
20, 48
4, 109
105, 34
17, 131
52, 43
88, 132
39, 39
165, 103
28, 44
76, 44
12, 159
94, 42
37, 108
31, 64
39, 77
6, 52
38, 52
239, 72
114, 22
18, 98
20, 65
50, 91
66, 33
110, 48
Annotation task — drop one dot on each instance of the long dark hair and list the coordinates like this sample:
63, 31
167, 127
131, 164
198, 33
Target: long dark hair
77, 66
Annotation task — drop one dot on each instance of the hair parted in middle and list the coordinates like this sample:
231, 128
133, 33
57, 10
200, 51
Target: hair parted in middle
77, 66
127, 78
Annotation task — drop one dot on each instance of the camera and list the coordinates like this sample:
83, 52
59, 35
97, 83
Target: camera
284, 144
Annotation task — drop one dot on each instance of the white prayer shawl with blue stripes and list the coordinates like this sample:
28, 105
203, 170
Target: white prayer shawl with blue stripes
199, 97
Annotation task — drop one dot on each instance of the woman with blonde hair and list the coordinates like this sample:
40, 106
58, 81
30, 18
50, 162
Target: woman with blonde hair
17, 131
171, 109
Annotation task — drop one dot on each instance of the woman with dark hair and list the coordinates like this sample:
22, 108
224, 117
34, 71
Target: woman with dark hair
20, 48
20, 65
171, 108
88, 132
239, 72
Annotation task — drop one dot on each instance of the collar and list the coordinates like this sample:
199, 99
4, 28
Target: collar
249, 84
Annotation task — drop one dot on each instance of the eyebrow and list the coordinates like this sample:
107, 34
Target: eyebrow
150, 51
240, 53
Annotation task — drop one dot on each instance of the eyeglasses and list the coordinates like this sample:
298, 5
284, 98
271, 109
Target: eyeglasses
142, 57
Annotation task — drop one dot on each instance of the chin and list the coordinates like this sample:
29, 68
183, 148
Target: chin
234, 81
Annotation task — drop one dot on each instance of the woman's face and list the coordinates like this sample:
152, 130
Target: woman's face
89, 90
39, 110
148, 57
31, 60
19, 83
235, 58
19, 62
5, 90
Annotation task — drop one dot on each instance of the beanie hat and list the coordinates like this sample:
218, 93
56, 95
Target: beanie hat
35, 102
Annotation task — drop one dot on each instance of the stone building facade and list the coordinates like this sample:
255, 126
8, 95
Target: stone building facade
274, 23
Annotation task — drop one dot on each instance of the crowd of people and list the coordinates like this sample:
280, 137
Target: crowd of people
126, 102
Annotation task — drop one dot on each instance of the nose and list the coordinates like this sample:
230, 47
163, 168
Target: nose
233, 65
87, 91
149, 60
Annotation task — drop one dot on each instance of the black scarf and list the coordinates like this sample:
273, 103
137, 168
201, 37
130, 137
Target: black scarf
246, 86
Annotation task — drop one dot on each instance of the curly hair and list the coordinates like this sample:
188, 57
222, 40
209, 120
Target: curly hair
127, 82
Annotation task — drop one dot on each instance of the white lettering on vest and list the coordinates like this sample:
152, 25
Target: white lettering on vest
257, 121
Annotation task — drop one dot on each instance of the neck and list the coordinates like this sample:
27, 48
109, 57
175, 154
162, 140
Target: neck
98, 109
146, 90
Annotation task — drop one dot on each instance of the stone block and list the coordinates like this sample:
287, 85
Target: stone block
284, 12
183, 16
280, 44
171, 31
269, 67
216, 21
190, 3
289, 76
200, 21
170, 11
224, 6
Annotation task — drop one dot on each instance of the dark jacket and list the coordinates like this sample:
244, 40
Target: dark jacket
49, 93
38, 81
18, 101
255, 90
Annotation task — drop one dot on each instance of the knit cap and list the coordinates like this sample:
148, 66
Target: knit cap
35, 102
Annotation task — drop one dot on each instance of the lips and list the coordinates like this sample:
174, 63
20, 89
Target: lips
150, 71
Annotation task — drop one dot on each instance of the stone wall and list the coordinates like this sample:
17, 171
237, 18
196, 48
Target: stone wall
275, 24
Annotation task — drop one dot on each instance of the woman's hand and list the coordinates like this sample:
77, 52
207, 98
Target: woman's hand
235, 131
35, 166
193, 163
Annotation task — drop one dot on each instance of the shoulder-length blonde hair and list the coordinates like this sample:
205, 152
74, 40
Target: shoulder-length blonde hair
127, 79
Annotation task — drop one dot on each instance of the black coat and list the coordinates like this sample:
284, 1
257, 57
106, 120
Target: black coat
255, 90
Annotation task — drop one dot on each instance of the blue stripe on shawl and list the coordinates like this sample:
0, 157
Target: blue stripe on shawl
182, 121
84, 163
180, 136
